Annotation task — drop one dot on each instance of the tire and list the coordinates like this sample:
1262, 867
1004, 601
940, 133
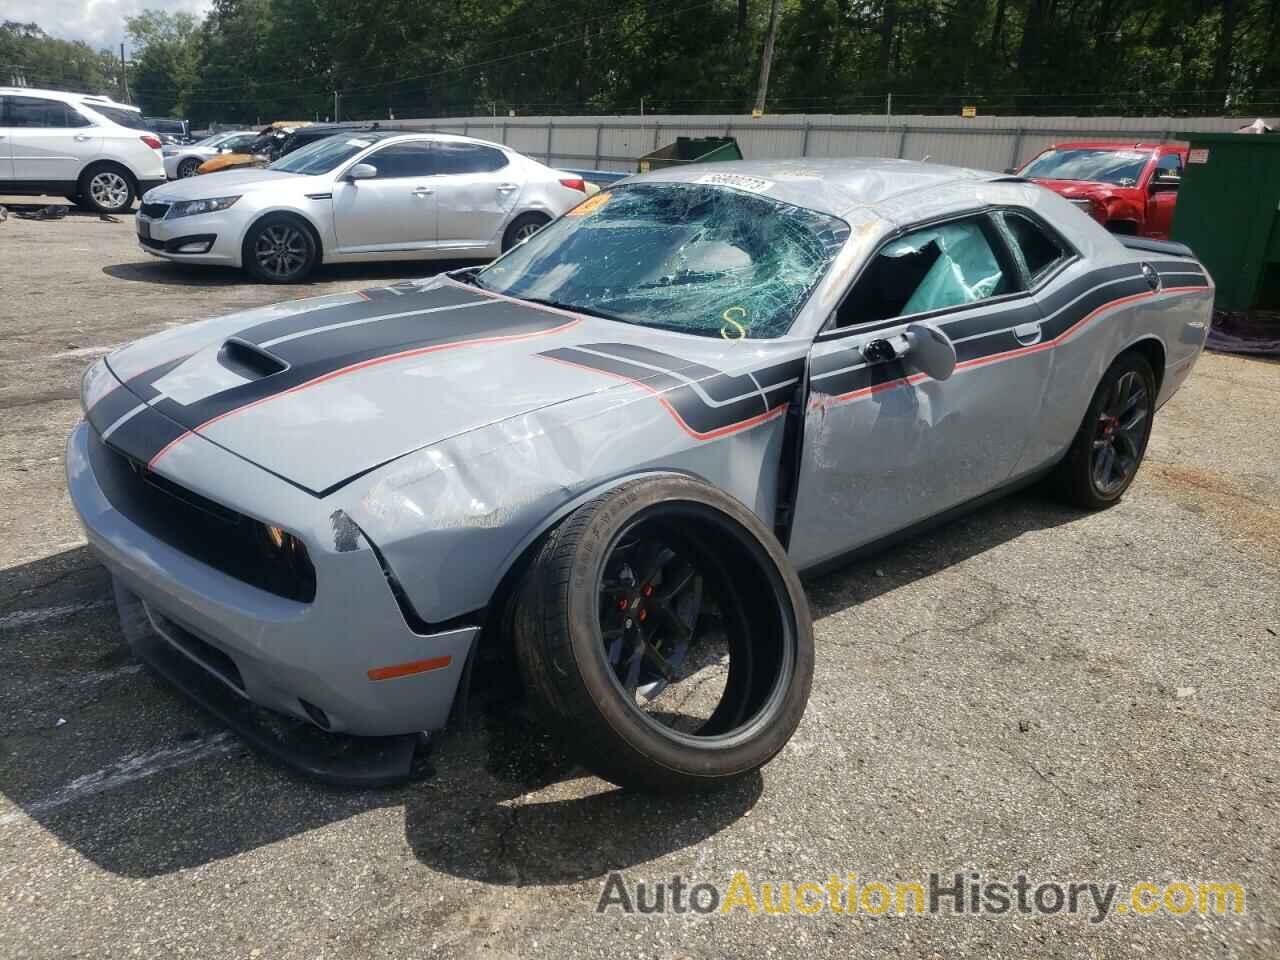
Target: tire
715, 579
1109, 446
106, 188
280, 248
522, 228
188, 167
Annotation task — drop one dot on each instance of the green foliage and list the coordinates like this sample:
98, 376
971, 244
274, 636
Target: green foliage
268, 60
29, 57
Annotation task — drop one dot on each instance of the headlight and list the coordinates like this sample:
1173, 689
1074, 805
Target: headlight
95, 384
189, 208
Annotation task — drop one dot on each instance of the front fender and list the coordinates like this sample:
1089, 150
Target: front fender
453, 519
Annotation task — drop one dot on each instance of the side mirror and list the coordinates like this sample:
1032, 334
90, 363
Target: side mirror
1011, 170
923, 346
362, 171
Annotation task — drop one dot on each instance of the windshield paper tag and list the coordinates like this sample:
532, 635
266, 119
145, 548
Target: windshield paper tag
591, 204
738, 180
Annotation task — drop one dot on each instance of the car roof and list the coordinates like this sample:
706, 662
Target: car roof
88, 99
836, 186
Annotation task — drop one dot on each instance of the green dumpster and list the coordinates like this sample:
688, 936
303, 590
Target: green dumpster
691, 150
1228, 212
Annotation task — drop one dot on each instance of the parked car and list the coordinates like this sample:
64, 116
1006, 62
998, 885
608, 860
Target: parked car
90, 149
170, 130
182, 161
256, 153
374, 195
1130, 188
598, 463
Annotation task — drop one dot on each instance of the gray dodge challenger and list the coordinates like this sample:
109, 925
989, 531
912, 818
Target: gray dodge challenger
593, 470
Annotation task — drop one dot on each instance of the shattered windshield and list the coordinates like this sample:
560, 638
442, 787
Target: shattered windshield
693, 257
322, 156
1121, 167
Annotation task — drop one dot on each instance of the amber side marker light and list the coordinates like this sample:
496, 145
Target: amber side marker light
412, 667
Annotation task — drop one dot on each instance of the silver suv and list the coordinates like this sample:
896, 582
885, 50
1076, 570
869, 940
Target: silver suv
94, 151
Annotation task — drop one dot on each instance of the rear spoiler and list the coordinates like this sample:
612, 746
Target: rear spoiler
1170, 248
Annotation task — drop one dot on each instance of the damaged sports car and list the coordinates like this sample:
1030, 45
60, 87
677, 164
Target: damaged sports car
596, 466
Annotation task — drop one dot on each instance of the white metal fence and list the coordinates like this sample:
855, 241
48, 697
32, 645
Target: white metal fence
993, 143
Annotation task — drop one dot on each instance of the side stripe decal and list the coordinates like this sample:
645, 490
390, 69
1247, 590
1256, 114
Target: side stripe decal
704, 402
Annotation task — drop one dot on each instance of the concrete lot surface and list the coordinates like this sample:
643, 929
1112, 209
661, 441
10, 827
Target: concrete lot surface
1028, 690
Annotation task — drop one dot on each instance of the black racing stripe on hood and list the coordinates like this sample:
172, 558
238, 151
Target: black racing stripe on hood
123, 397
481, 318
144, 435
369, 308
324, 355
695, 415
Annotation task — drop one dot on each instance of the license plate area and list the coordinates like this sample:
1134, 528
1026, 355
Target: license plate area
144, 229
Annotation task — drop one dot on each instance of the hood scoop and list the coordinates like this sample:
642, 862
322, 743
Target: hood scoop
248, 360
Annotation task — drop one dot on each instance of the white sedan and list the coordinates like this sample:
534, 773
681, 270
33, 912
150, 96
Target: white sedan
183, 159
358, 197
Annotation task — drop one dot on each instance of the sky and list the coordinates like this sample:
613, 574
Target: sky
99, 23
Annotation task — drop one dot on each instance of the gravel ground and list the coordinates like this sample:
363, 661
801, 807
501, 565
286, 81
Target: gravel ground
1028, 690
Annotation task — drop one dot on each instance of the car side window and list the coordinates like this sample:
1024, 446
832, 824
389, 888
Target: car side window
1039, 251
36, 112
1169, 165
412, 159
930, 269
468, 158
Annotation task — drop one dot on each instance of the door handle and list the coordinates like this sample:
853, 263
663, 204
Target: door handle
82, 137
422, 192
1028, 333
507, 187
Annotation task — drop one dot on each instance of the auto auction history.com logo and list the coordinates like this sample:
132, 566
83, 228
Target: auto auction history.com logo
959, 894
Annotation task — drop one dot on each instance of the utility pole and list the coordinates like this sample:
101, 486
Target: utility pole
766, 58
124, 75
335, 106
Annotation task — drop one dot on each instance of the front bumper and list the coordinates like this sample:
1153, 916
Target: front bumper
309, 661
207, 238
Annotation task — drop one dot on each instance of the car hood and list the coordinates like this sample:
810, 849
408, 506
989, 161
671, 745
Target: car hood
321, 391
228, 181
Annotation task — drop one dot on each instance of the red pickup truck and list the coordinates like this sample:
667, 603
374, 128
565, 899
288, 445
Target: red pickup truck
1129, 188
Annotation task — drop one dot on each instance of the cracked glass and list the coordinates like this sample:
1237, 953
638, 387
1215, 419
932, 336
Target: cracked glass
693, 257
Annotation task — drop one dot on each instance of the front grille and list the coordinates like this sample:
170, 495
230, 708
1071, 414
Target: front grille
155, 211
204, 530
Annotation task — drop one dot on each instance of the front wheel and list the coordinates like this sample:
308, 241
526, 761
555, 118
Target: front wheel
188, 167
280, 249
522, 228
663, 634
1112, 440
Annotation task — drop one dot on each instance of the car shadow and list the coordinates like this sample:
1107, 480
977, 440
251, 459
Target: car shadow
120, 768
169, 273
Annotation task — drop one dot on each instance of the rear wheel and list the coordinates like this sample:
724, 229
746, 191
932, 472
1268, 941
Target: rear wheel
522, 228
188, 168
280, 249
1109, 447
106, 188
663, 634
